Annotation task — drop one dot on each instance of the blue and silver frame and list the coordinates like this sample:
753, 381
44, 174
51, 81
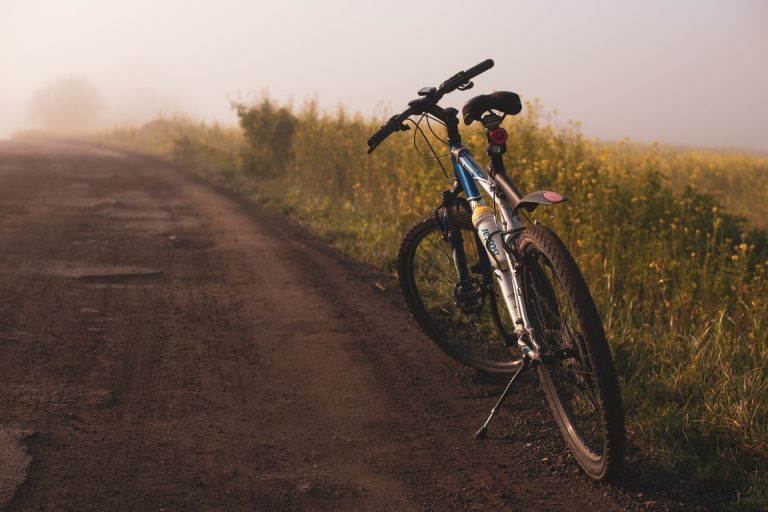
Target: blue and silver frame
467, 171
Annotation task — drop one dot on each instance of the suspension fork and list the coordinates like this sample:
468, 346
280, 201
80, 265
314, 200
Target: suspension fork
452, 233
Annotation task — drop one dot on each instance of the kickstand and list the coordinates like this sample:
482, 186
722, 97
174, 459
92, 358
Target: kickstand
480, 434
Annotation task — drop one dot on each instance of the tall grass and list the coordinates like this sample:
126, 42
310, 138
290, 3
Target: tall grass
681, 281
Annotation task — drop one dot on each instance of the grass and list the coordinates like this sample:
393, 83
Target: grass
671, 241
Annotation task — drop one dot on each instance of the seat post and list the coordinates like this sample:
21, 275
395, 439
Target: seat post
496, 152
497, 141
497, 146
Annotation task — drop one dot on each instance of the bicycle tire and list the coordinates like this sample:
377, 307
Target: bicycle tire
480, 340
577, 374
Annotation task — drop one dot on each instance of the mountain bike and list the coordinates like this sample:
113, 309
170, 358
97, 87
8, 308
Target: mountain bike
500, 293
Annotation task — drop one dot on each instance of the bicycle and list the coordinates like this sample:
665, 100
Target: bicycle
501, 294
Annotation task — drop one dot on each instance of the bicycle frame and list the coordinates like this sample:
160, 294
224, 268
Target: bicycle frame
470, 175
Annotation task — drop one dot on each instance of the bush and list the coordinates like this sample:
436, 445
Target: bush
268, 134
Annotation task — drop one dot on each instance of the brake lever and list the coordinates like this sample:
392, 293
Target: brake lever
466, 86
397, 128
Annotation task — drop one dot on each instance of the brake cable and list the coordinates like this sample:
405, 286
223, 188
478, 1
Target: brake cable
417, 125
433, 131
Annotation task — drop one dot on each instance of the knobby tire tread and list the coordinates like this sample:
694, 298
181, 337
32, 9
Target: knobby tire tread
572, 282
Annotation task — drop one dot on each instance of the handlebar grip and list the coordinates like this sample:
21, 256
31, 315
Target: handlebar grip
378, 137
480, 68
463, 77
384, 132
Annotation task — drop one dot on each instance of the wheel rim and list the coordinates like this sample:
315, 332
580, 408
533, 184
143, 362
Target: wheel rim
472, 335
568, 370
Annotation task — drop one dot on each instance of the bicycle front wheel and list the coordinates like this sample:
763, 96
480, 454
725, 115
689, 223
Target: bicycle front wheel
577, 372
465, 319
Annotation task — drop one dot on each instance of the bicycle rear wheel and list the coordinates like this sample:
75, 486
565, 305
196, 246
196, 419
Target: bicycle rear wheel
466, 320
577, 372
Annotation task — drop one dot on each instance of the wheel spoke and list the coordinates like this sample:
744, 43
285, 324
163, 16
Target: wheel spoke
569, 365
448, 309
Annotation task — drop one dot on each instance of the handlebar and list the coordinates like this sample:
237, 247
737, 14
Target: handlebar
430, 97
463, 77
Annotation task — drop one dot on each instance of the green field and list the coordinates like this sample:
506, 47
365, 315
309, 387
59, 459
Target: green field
672, 242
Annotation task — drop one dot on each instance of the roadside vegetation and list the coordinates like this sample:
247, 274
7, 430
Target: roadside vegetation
672, 242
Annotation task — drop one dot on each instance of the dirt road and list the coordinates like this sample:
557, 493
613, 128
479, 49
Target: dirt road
166, 345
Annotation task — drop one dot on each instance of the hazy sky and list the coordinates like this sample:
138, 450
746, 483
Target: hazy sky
683, 72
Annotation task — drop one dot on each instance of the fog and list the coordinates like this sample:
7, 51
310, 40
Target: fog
74, 104
686, 72
70, 103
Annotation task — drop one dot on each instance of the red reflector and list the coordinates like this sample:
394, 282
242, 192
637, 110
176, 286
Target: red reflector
553, 196
499, 136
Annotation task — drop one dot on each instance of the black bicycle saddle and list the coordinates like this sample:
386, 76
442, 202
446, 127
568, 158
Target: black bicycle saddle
503, 101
